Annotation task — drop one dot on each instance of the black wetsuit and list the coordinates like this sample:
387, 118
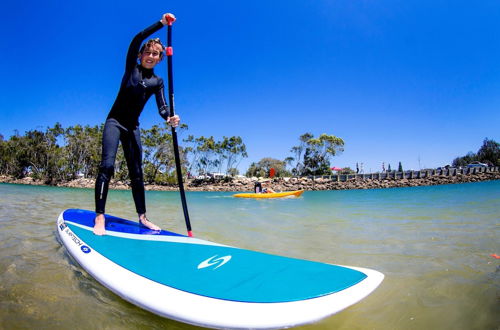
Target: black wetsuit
122, 123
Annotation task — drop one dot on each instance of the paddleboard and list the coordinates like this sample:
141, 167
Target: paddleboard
295, 193
208, 284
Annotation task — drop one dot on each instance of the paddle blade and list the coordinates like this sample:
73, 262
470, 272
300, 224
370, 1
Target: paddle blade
272, 172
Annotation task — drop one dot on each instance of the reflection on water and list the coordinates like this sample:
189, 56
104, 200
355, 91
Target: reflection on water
432, 243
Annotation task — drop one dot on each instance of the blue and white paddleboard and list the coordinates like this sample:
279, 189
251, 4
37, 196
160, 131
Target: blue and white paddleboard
208, 284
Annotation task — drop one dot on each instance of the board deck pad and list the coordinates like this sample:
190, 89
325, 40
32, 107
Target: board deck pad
86, 218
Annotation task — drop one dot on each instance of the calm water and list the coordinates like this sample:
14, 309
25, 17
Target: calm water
432, 243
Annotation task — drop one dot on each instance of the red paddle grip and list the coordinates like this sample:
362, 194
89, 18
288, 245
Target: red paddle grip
170, 19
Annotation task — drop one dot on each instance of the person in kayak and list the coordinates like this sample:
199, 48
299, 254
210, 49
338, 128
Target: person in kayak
122, 124
258, 189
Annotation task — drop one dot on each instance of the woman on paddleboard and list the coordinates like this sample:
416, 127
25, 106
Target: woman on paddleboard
122, 124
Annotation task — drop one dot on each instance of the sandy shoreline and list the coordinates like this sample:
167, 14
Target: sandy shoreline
279, 184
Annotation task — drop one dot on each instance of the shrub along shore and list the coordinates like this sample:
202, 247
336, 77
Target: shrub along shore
280, 184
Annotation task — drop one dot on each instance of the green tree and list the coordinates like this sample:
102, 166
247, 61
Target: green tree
233, 151
465, 160
254, 170
82, 150
298, 152
158, 153
41, 155
14, 158
263, 167
400, 167
317, 153
159, 158
489, 152
208, 155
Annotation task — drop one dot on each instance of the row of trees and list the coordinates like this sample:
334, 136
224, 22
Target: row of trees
59, 154
37, 153
311, 157
488, 153
208, 155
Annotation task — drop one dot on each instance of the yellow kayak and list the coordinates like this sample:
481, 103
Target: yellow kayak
295, 193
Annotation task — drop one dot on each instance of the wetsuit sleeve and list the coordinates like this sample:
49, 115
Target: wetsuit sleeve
135, 45
163, 108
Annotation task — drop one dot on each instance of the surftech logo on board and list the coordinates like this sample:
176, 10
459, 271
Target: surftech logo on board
85, 249
214, 261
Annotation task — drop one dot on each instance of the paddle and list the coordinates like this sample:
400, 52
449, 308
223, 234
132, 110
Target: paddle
169, 50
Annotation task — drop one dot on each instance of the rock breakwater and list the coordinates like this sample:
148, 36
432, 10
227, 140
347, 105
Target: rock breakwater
280, 184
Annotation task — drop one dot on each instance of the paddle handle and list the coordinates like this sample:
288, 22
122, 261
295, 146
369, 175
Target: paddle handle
169, 53
170, 19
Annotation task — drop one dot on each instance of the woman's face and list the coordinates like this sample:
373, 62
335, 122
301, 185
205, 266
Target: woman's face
150, 56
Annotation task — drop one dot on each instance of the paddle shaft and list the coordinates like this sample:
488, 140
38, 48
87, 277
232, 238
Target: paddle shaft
170, 52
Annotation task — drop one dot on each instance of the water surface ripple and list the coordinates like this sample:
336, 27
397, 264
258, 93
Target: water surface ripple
432, 243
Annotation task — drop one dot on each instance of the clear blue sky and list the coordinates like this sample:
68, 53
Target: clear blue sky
410, 81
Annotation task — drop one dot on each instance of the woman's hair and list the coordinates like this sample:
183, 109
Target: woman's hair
148, 44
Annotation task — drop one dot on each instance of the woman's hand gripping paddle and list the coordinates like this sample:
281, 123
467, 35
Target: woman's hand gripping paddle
169, 52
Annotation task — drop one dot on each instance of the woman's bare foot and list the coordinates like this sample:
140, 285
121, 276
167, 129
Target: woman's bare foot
146, 223
99, 223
